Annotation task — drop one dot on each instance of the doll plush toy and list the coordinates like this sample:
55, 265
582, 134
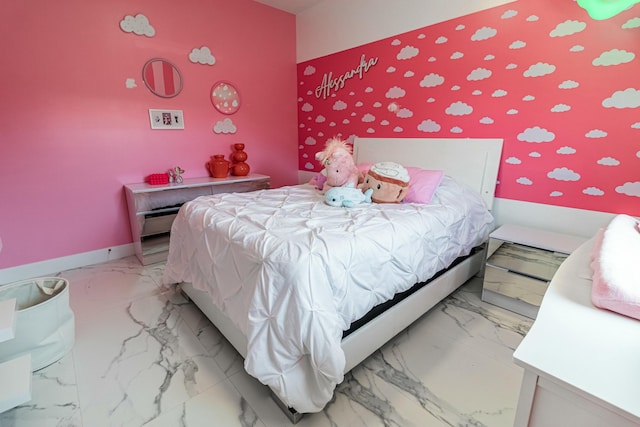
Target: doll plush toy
339, 166
389, 182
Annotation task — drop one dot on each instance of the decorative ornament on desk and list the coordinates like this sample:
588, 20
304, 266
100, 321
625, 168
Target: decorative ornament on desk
175, 175
158, 179
238, 157
218, 167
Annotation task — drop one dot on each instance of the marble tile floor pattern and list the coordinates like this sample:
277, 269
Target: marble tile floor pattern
144, 356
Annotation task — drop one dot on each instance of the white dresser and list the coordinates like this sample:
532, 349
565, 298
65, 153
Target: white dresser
582, 364
152, 208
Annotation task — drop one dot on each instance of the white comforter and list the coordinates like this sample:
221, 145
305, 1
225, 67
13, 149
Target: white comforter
293, 273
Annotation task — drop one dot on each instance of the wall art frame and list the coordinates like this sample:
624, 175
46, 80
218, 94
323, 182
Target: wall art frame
162, 78
225, 97
166, 119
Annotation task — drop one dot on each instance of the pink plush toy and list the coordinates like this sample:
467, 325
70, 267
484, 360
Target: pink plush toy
340, 169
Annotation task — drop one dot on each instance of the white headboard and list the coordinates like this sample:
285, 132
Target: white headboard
471, 161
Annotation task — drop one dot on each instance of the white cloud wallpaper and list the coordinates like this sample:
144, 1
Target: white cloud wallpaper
560, 88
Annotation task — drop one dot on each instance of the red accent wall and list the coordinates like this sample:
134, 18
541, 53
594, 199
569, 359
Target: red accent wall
561, 89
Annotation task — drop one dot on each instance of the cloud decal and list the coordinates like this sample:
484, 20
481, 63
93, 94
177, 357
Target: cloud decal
225, 126
513, 161
202, 56
568, 84
518, 44
484, 33
563, 174
138, 25
309, 70
130, 83
431, 80
306, 107
593, 191
608, 161
568, 28
539, 69
339, 105
429, 126
596, 133
628, 98
395, 93
404, 113
459, 109
408, 52
479, 74
632, 23
613, 57
566, 150
629, 189
524, 181
536, 134
368, 118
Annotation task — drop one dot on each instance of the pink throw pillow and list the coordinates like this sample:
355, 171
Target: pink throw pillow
423, 183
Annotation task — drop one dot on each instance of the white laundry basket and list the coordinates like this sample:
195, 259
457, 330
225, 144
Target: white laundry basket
45, 324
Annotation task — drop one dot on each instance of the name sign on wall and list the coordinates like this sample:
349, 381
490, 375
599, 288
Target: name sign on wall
330, 83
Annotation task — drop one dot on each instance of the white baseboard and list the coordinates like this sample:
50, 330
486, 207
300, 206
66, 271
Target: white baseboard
56, 265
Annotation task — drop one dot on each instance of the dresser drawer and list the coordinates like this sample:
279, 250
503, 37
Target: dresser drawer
514, 285
525, 260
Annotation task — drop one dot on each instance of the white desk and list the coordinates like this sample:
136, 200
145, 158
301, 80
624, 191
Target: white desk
582, 364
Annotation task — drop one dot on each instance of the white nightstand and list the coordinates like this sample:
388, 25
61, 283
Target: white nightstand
521, 261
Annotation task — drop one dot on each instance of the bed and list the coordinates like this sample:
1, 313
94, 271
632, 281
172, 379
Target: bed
305, 291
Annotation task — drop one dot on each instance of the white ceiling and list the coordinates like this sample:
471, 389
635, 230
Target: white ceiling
291, 6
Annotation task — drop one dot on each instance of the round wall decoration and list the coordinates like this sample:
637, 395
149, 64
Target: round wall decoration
162, 78
225, 97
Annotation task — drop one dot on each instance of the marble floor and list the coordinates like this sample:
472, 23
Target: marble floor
144, 356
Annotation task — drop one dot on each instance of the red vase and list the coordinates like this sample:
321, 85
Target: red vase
218, 167
239, 167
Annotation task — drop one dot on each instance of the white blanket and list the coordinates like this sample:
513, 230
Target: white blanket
293, 273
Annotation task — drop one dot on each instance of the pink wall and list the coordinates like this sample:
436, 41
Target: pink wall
562, 90
72, 133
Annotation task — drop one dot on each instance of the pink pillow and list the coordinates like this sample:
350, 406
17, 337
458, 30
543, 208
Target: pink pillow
423, 183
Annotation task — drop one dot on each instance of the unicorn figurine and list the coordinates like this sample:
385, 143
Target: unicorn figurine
339, 166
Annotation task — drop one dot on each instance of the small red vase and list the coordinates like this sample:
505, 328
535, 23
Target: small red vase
239, 167
218, 167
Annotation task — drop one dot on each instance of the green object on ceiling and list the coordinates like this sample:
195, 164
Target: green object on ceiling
605, 9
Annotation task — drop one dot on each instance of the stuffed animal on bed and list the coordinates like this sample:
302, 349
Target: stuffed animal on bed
347, 196
339, 166
389, 182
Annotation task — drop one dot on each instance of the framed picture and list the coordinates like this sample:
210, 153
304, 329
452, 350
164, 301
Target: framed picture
166, 119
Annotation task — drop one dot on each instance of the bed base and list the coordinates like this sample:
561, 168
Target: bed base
371, 336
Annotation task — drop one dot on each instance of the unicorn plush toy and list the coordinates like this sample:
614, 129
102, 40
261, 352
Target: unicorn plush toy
339, 167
